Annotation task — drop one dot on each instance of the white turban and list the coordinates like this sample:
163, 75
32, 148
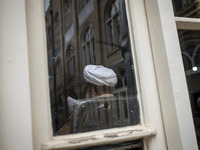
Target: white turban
100, 75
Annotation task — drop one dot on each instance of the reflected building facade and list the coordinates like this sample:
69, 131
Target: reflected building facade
83, 32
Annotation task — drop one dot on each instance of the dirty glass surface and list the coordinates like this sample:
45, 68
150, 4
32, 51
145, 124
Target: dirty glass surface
186, 8
129, 145
190, 48
91, 72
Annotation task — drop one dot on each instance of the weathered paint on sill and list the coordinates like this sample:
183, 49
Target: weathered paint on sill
99, 137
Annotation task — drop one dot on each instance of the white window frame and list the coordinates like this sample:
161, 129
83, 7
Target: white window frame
160, 84
173, 93
148, 93
183, 23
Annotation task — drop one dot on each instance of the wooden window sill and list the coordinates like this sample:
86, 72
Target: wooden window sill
100, 137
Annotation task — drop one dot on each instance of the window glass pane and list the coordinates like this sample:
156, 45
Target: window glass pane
130, 145
190, 48
91, 72
186, 8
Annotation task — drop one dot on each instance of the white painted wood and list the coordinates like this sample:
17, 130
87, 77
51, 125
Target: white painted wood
144, 70
187, 23
100, 137
24, 101
175, 103
146, 78
39, 88
15, 101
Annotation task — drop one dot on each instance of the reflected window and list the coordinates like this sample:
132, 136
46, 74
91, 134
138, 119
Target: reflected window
58, 73
112, 21
67, 14
82, 4
190, 50
88, 46
70, 62
56, 30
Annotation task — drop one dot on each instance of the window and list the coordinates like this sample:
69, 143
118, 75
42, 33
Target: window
143, 67
88, 46
187, 13
189, 41
105, 103
38, 86
70, 62
112, 20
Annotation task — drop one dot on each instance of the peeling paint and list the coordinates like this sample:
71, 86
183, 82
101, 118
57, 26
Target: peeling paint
111, 135
82, 139
99, 137
123, 133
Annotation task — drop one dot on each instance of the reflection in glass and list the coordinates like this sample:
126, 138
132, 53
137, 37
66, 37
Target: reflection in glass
186, 8
82, 4
88, 46
104, 96
67, 14
70, 63
190, 48
112, 20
